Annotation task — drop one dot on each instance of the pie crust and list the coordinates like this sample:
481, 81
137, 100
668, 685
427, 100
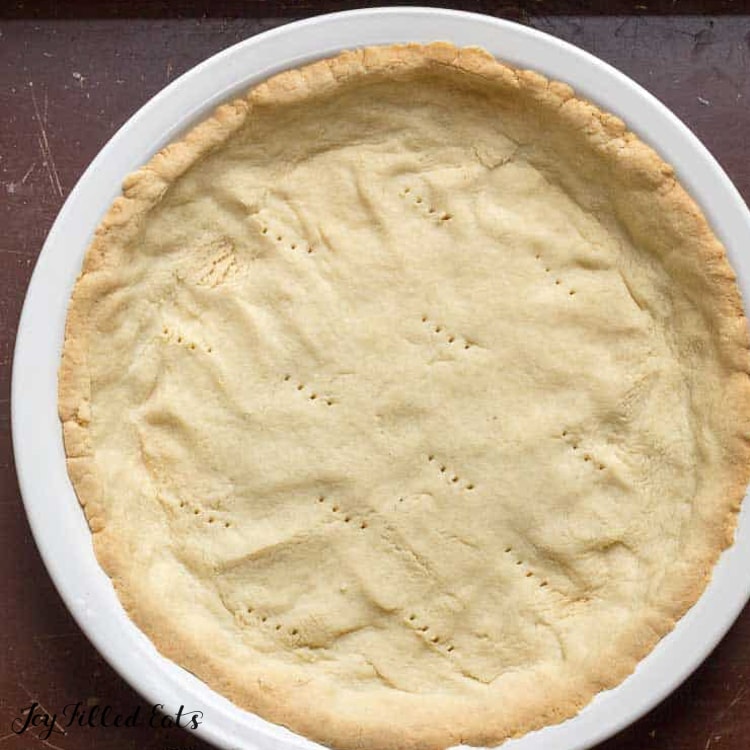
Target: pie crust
407, 399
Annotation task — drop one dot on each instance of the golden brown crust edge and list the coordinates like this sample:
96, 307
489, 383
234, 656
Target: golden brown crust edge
606, 134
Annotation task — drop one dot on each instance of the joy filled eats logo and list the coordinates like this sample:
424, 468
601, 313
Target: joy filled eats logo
36, 720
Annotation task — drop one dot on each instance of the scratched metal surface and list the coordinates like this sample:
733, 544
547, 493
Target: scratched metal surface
68, 80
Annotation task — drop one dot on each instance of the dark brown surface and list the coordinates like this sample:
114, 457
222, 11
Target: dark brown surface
297, 8
71, 74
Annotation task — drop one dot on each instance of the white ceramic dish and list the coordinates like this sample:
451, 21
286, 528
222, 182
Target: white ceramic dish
56, 519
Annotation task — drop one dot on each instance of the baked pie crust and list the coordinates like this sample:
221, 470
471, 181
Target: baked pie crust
407, 399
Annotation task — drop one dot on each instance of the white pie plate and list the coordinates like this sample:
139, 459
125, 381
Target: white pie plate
55, 517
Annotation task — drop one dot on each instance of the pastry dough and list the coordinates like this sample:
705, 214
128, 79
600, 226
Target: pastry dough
407, 399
